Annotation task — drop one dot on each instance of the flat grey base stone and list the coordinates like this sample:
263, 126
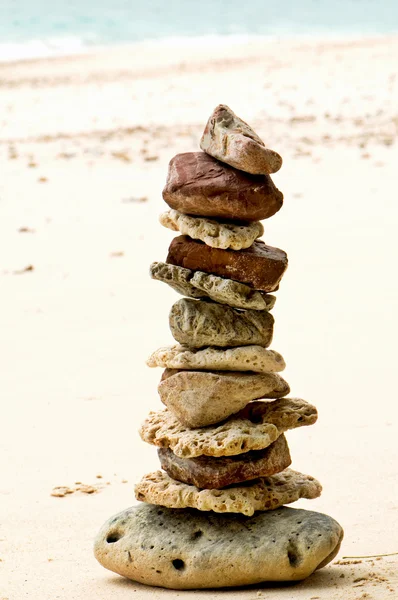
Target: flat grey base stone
189, 549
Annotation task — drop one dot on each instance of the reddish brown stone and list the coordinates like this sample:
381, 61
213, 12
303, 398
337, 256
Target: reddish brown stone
259, 266
207, 472
197, 184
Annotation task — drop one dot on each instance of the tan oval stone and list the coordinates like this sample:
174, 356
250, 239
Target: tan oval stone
231, 140
200, 398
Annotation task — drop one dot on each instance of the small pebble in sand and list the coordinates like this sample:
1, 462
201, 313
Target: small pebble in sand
61, 490
26, 230
135, 199
87, 489
25, 270
123, 156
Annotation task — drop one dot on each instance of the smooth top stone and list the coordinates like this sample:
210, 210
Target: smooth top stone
197, 323
260, 266
231, 140
200, 398
234, 236
205, 550
197, 184
255, 427
264, 493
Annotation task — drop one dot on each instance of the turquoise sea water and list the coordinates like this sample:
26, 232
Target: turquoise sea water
45, 27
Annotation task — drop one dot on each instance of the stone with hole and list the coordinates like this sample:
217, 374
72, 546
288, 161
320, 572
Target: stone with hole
245, 358
234, 236
265, 493
189, 549
255, 427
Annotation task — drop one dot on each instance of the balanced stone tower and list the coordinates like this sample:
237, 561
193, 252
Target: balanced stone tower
214, 516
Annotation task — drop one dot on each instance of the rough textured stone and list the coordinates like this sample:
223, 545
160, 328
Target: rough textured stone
207, 550
255, 427
197, 184
200, 398
265, 493
176, 277
197, 323
213, 233
244, 358
204, 285
260, 266
231, 140
233, 293
208, 472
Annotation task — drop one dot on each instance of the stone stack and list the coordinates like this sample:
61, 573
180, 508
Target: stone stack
214, 516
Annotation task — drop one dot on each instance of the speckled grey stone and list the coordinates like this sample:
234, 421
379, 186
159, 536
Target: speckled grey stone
189, 549
197, 323
196, 284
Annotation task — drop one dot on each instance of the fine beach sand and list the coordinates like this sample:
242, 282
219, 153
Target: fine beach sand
85, 143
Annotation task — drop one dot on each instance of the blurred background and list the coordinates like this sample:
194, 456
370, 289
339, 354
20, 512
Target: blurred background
46, 28
95, 99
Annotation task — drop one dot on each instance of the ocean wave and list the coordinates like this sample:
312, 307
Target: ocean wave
69, 46
44, 48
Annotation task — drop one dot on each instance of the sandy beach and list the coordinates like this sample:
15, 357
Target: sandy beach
84, 147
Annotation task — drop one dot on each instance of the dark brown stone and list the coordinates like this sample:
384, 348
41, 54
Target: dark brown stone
208, 472
259, 266
198, 184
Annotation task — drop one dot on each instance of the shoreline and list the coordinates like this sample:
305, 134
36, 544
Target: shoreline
83, 49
